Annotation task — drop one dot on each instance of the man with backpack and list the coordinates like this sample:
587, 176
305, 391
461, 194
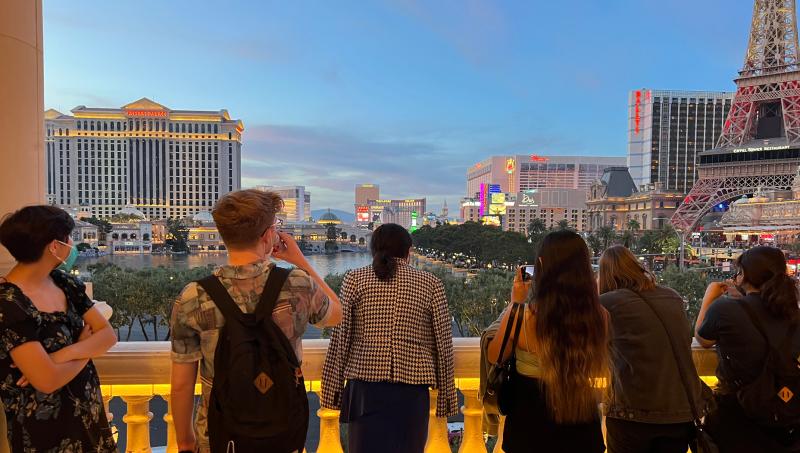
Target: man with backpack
243, 325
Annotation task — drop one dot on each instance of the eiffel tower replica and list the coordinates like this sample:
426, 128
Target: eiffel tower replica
760, 142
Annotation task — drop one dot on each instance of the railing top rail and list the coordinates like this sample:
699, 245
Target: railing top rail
148, 362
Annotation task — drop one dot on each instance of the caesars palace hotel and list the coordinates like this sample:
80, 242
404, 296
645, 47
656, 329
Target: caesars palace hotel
166, 163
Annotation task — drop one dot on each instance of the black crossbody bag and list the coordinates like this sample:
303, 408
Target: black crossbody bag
499, 378
705, 444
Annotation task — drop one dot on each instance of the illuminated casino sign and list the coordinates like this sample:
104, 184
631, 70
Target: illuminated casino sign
510, 166
528, 198
147, 113
535, 158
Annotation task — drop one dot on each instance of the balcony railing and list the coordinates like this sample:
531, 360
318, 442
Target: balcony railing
138, 371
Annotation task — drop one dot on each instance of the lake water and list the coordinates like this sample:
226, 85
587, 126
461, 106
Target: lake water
324, 264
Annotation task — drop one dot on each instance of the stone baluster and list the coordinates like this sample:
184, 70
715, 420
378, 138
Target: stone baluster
106, 392
172, 441
329, 436
438, 441
473, 440
137, 420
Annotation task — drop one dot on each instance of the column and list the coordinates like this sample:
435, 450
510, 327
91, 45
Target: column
329, 436
22, 173
172, 441
473, 440
138, 420
438, 441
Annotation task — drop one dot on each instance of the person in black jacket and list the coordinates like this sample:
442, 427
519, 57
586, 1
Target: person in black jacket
764, 286
648, 409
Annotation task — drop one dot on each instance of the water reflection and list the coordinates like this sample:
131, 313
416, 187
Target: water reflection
324, 264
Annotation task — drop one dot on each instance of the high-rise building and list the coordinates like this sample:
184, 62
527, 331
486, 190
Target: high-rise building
296, 202
365, 193
667, 130
166, 163
407, 213
514, 174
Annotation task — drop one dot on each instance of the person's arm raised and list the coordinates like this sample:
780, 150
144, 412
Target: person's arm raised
519, 294
713, 292
293, 255
42, 371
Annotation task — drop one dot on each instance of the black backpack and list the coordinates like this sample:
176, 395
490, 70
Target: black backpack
258, 398
773, 398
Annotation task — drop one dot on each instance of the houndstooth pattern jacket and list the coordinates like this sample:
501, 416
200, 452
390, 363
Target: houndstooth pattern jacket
392, 331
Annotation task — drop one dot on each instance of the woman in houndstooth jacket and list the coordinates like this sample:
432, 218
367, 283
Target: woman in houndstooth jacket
394, 342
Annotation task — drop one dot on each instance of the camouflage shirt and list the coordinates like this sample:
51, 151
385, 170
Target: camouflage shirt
196, 320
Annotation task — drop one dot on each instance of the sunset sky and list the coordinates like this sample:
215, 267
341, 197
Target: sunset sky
406, 94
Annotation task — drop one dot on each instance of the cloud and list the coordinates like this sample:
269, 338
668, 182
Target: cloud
331, 163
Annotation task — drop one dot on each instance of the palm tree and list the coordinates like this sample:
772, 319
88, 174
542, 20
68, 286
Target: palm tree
607, 236
594, 243
536, 231
563, 225
631, 231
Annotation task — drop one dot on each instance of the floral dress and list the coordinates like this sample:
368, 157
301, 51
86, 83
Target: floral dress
71, 419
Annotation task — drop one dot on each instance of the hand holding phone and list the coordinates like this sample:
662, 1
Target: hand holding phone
522, 285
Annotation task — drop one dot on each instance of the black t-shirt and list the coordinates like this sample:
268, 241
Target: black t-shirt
741, 348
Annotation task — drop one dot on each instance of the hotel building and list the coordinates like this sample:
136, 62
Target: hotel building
166, 163
407, 213
296, 202
667, 130
519, 173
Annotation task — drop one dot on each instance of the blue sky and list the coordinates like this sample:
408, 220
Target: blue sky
403, 93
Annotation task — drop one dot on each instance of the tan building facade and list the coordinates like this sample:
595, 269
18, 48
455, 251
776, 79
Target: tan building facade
167, 163
651, 209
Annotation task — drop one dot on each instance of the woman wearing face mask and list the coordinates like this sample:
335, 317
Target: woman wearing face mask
49, 333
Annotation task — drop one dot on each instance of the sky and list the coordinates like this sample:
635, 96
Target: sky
406, 94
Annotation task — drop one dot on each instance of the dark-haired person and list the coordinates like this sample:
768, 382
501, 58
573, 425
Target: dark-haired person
763, 285
49, 332
395, 341
648, 410
561, 354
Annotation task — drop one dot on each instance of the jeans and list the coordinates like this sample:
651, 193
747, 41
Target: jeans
623, 436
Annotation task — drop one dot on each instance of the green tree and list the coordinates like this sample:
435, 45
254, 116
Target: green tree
476, 302
177, 235
563, 224
594, 243
691, 285
83, 247
607, 236
631, 233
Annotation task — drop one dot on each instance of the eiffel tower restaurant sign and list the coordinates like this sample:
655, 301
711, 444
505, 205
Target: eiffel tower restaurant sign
759, 148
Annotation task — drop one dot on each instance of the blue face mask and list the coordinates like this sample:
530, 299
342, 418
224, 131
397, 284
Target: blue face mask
69, 261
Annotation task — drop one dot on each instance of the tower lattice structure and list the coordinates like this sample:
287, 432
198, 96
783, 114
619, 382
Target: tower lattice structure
764, 118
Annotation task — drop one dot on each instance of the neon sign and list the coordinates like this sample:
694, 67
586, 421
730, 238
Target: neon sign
535, 158
147, 113
510, 166
638, 112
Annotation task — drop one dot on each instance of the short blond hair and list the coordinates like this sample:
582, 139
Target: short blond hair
619, 269
242, 217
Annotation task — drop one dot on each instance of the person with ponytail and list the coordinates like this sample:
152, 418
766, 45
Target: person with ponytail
761, 287
562, 355
394, 343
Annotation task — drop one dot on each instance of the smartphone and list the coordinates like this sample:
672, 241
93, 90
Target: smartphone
527, 272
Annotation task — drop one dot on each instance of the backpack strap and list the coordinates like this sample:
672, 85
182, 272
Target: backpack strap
272, 290
755, 320
786, 344
221, 298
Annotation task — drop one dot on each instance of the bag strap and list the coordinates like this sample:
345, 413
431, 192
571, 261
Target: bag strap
272, 291
681, 367
786, 344
507, 334
221, 298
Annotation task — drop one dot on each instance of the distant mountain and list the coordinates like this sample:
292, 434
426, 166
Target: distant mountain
345, 217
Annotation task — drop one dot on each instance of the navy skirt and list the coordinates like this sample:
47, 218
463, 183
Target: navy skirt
385, 417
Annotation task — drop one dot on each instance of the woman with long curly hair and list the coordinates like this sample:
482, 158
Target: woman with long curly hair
562, 354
